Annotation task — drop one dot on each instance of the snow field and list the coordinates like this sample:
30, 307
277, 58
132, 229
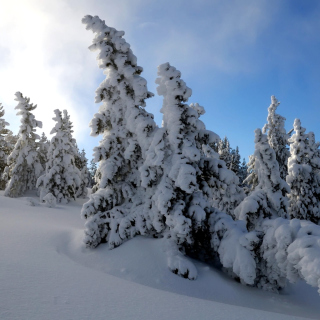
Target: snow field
46, 273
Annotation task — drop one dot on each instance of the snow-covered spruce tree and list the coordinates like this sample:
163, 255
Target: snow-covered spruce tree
303, 177
82, 164
115, 211
92, 173
80, 161
4, 147
177, 207
220, 184
243, 172
24, 166
181, 181
291, 249
43, 147
224, 151
235, 161
268, 199
61, 177
11, 140
277, 136
251, 181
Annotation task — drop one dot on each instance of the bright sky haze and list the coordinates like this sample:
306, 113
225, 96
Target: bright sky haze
233, 55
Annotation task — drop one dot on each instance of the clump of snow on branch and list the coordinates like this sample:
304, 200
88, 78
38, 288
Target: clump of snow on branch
291, 249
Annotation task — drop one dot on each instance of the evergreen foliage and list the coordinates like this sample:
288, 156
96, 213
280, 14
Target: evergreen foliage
277, 136
243, 172
114, 212
178, 206
303, 177
251, 181
92, 173
43, 147
224, 151
220, 184
268, 199
235, 161
81, 163
5, 147
61, 177
24, 166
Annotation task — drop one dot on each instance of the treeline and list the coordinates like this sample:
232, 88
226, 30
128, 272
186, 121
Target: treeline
182, 183
28, 161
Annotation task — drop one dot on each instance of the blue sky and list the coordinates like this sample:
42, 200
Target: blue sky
233, 55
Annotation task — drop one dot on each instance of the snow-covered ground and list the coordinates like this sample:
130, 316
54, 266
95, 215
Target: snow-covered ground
46, 273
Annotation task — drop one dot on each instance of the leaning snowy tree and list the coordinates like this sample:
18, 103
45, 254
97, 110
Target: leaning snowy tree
61, 177
277, 136
185, 178
4, 147
303, 177
169, 174
115, 211
24, 166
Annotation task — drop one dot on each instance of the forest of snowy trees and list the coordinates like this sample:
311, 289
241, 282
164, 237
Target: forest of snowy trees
181, 182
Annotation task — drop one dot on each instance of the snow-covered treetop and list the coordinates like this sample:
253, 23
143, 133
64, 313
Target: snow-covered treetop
58, 119
117, 58
123, 92
268, 199
28, 121
63, 128
266, 165
169, 82
303, 147
277, 136
3, 123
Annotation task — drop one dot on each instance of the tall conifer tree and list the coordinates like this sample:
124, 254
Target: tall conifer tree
277, 136
4, 147
303, 177
61, 177
126, 129
24, 166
